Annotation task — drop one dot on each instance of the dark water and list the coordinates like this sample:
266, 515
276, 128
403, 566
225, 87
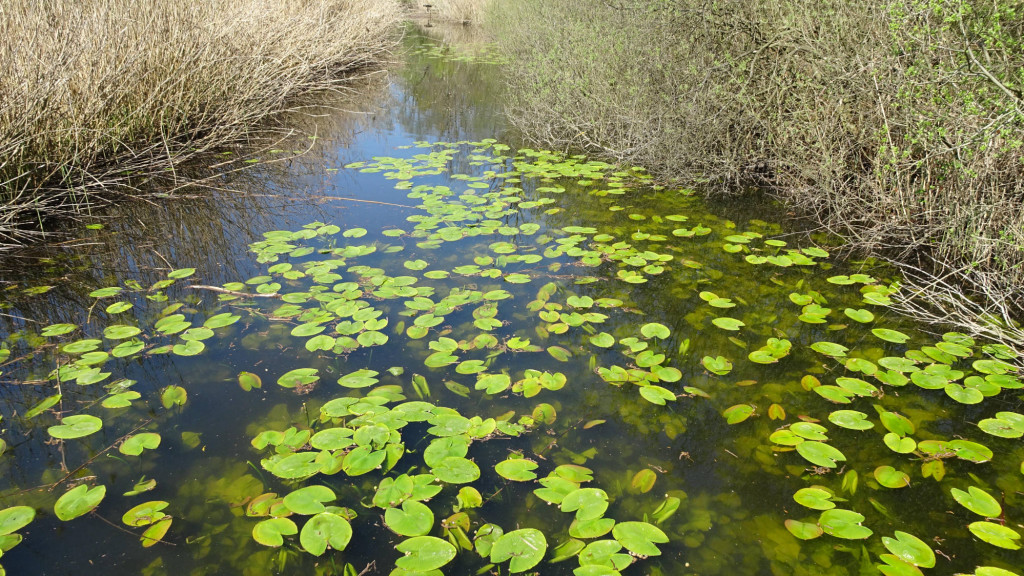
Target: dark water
559, 252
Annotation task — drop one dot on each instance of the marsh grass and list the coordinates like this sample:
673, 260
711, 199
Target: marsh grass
896, 124
455, 11
99, 95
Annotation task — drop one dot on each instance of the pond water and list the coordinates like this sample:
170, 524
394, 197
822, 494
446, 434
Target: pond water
418, 348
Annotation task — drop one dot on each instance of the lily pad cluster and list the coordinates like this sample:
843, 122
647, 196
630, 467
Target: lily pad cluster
490, 294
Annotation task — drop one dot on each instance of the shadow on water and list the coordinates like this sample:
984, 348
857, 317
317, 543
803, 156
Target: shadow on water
675, 345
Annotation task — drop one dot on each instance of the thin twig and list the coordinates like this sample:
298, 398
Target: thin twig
233, 292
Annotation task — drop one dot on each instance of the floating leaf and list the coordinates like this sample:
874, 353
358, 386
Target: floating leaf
134, 445
588, 503
120, 331
76, 426
814, 498
362, 460
718, 365
298, 377
412, 519
726, 323
820, 454
830, 349
850, 419
738, 413
271, 532
519, 470
173, 396
644, 480
525, 548
156, 531
248, 381
424, 553
890, 335
844, 524
15, 518
891, 478
996, 534
145, 514
978, 501
456, 470
639, 537
325, 529
655, 330
308, 500
804, 530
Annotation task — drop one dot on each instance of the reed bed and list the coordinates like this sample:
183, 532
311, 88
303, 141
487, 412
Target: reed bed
100, 95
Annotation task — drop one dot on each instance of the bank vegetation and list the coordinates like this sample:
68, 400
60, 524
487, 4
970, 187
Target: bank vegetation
97, 96
897, 124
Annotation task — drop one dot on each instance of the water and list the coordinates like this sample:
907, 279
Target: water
563, 255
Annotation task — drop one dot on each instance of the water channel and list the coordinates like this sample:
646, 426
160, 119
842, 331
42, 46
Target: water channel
404, 344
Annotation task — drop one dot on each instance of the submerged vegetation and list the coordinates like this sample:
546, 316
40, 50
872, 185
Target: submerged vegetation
897, 124
463, 387
104, 94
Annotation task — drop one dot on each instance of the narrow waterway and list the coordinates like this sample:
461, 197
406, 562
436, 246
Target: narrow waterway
404, 343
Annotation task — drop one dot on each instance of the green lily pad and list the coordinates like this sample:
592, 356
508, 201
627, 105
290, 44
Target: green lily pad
493, 383
309, 500
861, 315
996, 534
145, 514
804, 530
525, 548
978, 501
820, 454
134, 445
359, 379
891, 478
173, 396
851, 419
656, 394
844, 524
718, 365
518, 470
323, 530
247, 381
814, 498
588, 503
412, 519
298, 377
76, 426
15, 518
830, 349
910, 549
362, 460
456, 470
738, 413
656, 330
726, 323
271, 532
78, 501
639, 537
424, 553
890, 335
120, 332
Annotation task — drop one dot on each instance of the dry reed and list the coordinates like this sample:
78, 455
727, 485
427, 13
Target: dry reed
98, 94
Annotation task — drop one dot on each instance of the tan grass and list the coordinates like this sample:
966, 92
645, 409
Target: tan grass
464, 11
93, 91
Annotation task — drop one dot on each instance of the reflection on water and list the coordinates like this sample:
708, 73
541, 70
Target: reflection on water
690, 343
